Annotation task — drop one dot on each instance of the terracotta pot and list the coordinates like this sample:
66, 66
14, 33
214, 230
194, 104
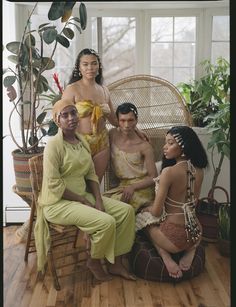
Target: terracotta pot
224, 247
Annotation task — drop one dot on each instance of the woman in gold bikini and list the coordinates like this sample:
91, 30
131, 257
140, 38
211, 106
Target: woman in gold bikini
94, 106
170, 222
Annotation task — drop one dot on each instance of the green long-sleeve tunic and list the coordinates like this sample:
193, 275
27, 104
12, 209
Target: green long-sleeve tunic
69, 166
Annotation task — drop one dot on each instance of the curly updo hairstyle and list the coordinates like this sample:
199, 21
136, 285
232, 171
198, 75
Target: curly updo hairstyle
76, 75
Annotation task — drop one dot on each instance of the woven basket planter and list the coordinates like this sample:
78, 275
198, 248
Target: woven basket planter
22, 172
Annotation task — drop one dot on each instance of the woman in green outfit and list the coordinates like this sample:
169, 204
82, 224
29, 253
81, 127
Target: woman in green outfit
68, 175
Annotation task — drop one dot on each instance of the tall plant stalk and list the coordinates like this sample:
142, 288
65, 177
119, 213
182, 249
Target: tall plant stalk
30, 64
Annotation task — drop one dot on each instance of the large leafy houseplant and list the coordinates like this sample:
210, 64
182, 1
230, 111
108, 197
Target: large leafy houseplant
224, 229
208, 101
219, 127
224, 222
26, 83
206, 95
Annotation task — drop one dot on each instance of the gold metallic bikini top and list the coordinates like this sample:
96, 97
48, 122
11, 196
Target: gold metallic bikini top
86, 108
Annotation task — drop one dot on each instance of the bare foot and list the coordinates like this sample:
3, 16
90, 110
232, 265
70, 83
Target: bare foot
97, 270
172, 267
118, 268
187, 259
120, 271
87, 242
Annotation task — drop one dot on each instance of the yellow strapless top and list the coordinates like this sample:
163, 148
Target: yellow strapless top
86, 108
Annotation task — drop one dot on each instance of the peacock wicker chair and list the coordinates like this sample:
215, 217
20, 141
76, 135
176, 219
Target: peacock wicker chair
160, 106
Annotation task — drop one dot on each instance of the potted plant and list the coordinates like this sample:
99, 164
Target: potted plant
219, 127
26, 83
224, 229
208, 101
205, 95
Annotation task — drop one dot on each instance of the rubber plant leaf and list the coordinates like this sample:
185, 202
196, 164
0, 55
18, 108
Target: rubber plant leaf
83, 15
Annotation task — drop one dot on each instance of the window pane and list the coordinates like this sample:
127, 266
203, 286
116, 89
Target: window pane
183, 74
162, 29
118, 47
178, 47
184, 54
220, 38
164, 73
185, 29
162, 54
220, 49
220, 28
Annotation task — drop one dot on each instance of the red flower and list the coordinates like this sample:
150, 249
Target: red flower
55, 77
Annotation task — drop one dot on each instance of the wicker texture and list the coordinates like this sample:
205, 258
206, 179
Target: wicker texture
160, 106
61, 236
159, 103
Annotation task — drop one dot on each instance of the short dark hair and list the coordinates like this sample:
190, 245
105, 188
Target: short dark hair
125, 108
191, 146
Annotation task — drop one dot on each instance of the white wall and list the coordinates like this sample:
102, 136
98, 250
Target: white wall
224, 177
14, 208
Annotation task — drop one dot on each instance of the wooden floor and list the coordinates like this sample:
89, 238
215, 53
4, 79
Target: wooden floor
22, 288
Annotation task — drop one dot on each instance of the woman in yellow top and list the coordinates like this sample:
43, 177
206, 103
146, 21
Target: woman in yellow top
68, 173
92, 100
94, 106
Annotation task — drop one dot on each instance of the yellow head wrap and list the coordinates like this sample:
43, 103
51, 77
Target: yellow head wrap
59, 106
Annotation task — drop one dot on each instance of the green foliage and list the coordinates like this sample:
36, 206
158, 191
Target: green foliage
83, 16
219, 127
205, 96
208, 100
27, 83
224, 221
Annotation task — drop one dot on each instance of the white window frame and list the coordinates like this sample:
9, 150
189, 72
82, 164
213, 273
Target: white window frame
143, 11
120, 13
209, 13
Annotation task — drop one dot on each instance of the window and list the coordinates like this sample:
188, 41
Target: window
173, 41
118, 45
64, 58
220, 37
169, 43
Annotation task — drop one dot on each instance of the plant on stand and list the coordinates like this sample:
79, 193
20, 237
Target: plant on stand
205, 95
219, 126
26, 83
224, 229
208, 100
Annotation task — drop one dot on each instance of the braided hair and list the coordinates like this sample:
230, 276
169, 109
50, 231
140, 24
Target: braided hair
76, 75
191, 145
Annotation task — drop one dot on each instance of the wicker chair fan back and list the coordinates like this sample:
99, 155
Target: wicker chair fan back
160, 105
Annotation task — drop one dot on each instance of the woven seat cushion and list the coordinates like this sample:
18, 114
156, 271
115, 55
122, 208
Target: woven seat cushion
148, 264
